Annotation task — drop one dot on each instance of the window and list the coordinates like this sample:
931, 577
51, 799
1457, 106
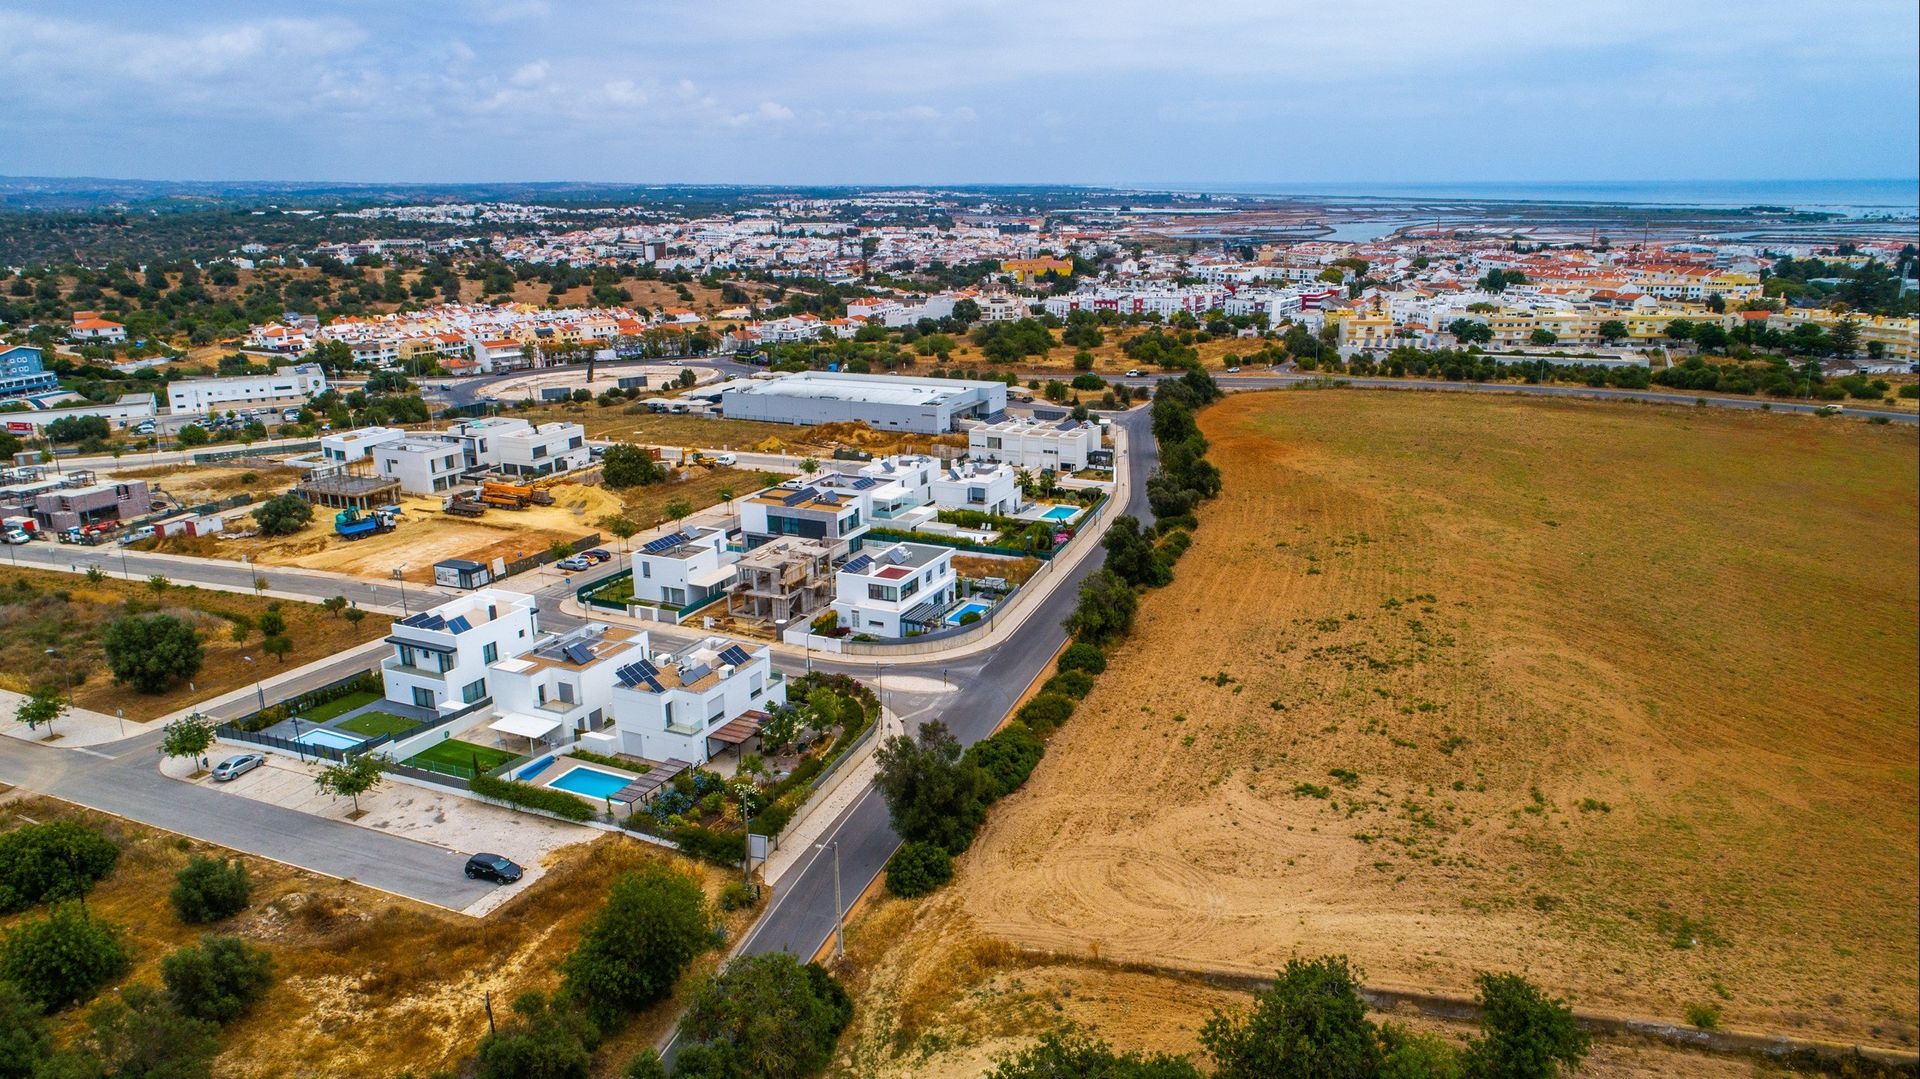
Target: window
883, 592
474, 690
646, 570
490, 654
422, 697
909, 588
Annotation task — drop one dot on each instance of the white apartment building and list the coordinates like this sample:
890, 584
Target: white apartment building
984, 486
343, 447
543, 450
901, 484
565, 683
441, 656
684, 567
830, 509
1001, 307
287, 385
1035, 444
424, 464
896, 589
690, 704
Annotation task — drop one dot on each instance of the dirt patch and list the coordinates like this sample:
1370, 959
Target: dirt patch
1014, 570
1618, 696
370, 984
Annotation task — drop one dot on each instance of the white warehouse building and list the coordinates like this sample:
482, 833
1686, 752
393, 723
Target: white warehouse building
288, 385
885, 402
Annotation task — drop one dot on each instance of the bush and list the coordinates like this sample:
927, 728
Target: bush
217, 979
1074, 684
1703, 1016
918, 868
932, 794
557, 802
766, 1017
1045, 712
719, 848
1105, 610
654, 922
152, 654
63, 958
1081, 656
139, 1036
210, 889
1310, 1022
1007, 758
24, 1038
45, 863
1524, 1033
1910, 391
282, 516
546, 1040
736, 896
1056, 1057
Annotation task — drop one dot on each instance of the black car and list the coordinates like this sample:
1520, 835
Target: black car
493, 867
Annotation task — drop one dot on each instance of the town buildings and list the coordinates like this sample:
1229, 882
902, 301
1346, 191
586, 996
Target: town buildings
1055, 445
441, 656
287, 385
899, 403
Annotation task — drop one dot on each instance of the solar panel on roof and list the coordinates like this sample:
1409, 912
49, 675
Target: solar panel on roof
652, 683
664, 543
580, 653
734, 654
696, 673
897, 556
797, 497
459, 624
865, 482
859, 563
646, 668
1068, 425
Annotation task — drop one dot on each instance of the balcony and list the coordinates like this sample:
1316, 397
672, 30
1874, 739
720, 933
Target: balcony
393, 663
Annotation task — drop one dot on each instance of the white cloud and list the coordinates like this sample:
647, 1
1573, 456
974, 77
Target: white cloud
532, 74
773, 110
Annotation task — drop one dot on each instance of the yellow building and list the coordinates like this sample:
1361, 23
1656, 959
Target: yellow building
1025, 270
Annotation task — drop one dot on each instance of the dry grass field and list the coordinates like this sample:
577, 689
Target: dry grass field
369, 984
1621, 697
41, 609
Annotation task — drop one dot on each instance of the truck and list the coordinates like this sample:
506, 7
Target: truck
513, 496
88, 535
19, 529
351, 524
462, 506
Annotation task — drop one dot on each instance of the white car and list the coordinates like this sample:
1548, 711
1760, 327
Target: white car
1135, 373
725, 459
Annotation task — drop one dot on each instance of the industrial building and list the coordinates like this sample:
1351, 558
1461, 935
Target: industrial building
288, 385
885, 402
23, 371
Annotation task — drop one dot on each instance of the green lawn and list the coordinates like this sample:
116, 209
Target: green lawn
375, 724
340, 706
456, 757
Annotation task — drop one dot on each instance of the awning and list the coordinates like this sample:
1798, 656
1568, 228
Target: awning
740, 729
524, 726
709, 578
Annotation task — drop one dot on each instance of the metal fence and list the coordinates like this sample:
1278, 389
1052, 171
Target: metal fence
534, 561
229, 732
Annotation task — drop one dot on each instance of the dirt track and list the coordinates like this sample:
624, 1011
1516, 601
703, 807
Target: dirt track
1450, 683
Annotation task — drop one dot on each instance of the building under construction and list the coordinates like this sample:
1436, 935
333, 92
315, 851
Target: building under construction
782, 581
342, 487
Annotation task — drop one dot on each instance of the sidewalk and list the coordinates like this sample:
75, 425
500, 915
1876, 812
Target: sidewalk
819, 813
79, 727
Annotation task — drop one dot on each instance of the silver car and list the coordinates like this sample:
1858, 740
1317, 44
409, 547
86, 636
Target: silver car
236, 766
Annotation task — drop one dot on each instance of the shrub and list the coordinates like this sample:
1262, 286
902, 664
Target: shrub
1312, 1021
1008, 757
918, 868
767, 1017
217, 979
736, 896
44, 863
653, 924
282, 516
63, 958
210, 889
1703, 1016
1081, 656
139, 1035
545, 1040
1105, 609
1045, 712
1056, 1056
152, 654
24, 1038
932, 794
1524, 1033
1074, 684
719, 848
557, 802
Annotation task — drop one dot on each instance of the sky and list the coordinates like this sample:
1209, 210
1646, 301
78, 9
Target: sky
931, 91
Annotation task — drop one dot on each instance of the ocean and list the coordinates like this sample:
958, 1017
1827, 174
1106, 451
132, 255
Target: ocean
1856, 198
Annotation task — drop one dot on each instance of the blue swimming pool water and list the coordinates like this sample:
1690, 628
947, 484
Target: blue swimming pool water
979, 608
535, 768
321, 736
591, 782
1061, 513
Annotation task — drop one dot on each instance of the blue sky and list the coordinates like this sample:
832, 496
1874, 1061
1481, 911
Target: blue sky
923, 91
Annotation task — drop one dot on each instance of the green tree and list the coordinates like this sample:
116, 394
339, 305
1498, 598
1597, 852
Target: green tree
351, 778
277, 646
918, 868
63, 958
25, 1040
547, 1039
654, 922
40, 707
282, 516
1131, 556
271, 622
1311, 1022
1844, 337
1105, 610
141, 1036
1524, 1034
624, 465
188, 736
769, 1017
1410, 1055
931, 794
210, 889
192, 435
1542, 336
217, 979
1470, 331
52, 861
334, 605
621, 528
677, 509
1612, 330
152, 654
1058, 1057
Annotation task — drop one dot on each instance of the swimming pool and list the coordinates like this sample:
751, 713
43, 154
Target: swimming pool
321, 736
591, 782
981, 609
1061, 513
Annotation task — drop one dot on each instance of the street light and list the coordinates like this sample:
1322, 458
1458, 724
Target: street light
399, 574
256, 683
839, 912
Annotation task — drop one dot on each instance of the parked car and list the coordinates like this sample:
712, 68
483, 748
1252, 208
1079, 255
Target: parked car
138, 534
599, 555
1133, 373
493, 867
16, 535
236, 766
725, 459
577, 562
1233, 370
